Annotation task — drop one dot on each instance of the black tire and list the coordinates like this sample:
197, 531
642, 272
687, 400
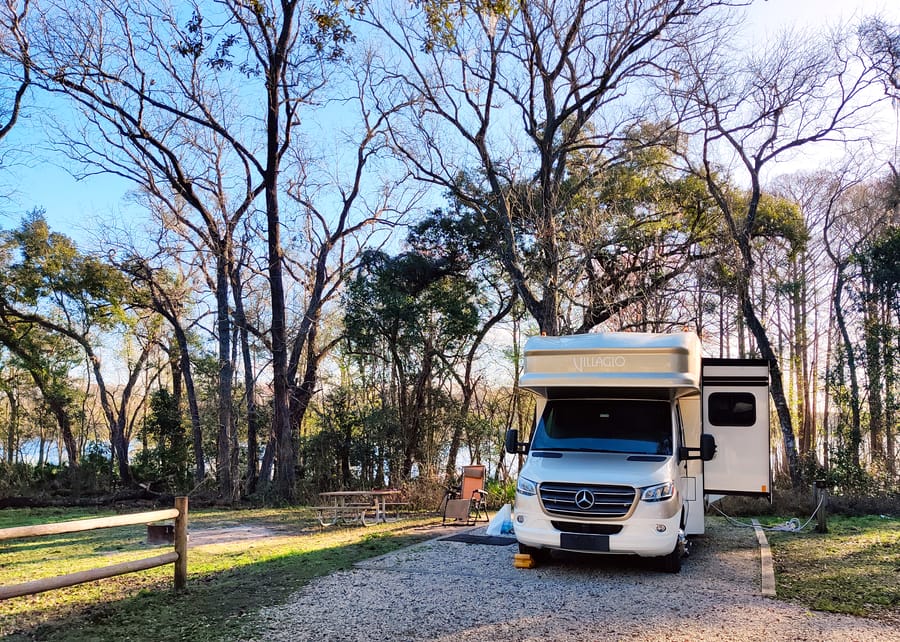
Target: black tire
671, 563
539, 555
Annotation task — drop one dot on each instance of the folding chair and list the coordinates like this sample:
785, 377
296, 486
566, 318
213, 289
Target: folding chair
470, 505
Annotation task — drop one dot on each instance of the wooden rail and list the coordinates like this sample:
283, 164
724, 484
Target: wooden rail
178, 557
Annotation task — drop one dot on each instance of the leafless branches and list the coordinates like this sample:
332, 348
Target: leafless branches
505, 98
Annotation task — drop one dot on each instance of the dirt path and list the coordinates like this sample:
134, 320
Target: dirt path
451, 591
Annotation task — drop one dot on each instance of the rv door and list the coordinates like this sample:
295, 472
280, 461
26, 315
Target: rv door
735, 395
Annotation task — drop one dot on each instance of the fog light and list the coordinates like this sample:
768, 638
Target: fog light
520, 519
660, 528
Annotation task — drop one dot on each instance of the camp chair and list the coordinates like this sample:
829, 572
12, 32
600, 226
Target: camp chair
470, 505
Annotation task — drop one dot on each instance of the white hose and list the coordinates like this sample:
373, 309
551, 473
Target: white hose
790, 526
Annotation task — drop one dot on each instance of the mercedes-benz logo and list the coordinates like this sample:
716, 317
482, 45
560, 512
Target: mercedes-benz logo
584, 499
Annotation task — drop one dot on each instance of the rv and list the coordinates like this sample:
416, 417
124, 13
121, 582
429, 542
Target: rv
631, 431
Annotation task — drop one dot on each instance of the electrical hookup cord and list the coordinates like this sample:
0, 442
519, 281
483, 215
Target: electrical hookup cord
790, 526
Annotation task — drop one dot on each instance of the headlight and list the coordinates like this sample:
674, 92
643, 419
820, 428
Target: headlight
526, 487
659, 492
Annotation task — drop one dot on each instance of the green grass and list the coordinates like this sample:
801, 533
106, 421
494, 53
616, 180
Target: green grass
227, 582
853, 569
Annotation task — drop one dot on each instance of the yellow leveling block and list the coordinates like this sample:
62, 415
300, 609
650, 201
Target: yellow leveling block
524, 560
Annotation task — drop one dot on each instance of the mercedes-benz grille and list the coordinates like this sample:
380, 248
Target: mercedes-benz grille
587, 500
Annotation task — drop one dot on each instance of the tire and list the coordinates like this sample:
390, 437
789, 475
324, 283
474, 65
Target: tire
671, 563
539, 555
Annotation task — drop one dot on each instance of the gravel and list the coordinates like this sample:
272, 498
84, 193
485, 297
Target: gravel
450, 591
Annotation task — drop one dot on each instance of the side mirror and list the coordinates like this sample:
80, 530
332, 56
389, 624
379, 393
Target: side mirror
707, 447
512, 444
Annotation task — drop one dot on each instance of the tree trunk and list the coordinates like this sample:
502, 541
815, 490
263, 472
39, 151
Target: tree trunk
60, 413
856, 422
240, 320
177, 379
193, 406
227, 477
281, 424
413, 425
281, 421
874, 373
267, 464
57, 403
889, 355
458, 426
301, 394
12, 426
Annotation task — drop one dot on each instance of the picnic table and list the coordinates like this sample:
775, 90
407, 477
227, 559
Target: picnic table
362, 506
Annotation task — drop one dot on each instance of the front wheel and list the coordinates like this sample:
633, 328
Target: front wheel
671, 563
539, 555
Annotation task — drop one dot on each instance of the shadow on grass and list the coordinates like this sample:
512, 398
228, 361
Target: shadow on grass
724, 536
217, 606
133, 538
854, 569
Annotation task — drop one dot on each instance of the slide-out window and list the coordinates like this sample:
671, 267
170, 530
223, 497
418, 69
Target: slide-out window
731, 409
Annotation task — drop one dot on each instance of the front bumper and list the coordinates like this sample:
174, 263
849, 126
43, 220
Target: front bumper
650, 531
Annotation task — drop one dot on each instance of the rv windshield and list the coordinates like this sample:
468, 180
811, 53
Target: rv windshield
606, 425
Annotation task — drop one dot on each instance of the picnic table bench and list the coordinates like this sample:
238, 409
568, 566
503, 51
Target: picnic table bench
358, 506
333, 513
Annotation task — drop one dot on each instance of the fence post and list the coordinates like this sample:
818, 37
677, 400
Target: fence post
820, 497
181, 503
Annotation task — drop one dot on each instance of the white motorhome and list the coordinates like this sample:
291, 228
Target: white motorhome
631, 431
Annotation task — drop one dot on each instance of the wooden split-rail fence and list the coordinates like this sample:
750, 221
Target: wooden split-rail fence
178, 557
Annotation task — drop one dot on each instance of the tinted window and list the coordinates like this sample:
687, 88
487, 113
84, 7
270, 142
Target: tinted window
606, 425
732, 409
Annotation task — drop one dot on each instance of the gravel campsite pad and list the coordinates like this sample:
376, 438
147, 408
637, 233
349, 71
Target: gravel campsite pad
452, 591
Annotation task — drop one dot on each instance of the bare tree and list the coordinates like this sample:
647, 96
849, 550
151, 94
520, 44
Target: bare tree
881, 43
509, 99
808, 290
758, 108
855, 216
12, 385
201, 110
49, 285
14, 68
150, 115
168, 294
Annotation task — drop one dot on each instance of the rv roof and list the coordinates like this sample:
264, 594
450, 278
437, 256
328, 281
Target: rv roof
686, 341
613, 360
